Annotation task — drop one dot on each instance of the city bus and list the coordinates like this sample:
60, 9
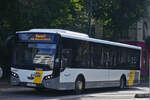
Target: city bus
66, 60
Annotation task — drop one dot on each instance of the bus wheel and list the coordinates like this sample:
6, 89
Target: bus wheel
79, 85
122, 83
1, 72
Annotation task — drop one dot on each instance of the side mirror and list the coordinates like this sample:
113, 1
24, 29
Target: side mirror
57, 60
10, 40
65, 62
57, 63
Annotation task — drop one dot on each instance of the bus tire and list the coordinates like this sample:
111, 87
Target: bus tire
1, 72
122, 82
79, 85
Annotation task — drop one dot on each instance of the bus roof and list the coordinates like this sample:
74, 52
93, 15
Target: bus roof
64, 33
79, 36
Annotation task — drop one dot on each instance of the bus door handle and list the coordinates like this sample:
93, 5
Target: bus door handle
67, 74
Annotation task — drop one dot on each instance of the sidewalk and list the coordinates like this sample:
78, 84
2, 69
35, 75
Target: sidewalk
143, 95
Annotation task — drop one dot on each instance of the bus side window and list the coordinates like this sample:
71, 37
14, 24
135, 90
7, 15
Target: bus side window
96, 55
83, 54
66, 57
105, 56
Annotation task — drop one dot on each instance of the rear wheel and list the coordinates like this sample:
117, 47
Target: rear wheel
1, 72
122, 83
79, 85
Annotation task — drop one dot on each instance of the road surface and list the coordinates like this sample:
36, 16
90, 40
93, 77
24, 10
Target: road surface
23, 93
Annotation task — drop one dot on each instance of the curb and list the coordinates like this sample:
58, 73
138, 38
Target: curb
142, 95
144, 85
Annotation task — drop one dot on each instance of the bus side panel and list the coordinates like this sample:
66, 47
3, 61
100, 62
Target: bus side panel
132, 76
115, 76
92, 76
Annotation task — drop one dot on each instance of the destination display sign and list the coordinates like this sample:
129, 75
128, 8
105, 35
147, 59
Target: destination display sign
40, 37
36, 37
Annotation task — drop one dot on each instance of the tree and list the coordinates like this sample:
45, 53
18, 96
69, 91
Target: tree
18, 15
65, 14
8, 20
118, 15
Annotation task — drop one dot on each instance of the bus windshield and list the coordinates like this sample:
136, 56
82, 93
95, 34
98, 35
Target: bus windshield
35, 54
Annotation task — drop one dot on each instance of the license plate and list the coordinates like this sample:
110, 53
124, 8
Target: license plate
31, 84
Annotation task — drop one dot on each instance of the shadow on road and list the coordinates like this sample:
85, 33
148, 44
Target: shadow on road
53, 93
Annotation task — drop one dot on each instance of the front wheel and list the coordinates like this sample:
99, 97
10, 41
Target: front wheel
79, 85
1, 72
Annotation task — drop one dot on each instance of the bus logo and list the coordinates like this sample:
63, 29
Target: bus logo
32, 76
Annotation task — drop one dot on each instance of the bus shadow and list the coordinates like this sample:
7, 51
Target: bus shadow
56, 93
109, 89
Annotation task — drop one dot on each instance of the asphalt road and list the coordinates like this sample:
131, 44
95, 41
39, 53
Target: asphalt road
21, 93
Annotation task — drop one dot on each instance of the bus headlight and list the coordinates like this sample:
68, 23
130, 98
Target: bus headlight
14, 74
48, 77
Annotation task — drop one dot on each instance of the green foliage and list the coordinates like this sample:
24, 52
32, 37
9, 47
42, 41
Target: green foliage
65, 14
118, 15
16, 15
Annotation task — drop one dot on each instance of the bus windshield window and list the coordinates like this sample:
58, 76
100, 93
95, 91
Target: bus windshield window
35, 53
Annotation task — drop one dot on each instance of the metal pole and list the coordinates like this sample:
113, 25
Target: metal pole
90, 18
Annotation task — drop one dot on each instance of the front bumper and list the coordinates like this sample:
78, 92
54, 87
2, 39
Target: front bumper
50, 83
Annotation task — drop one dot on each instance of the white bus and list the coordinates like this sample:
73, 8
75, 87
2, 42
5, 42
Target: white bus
66, 60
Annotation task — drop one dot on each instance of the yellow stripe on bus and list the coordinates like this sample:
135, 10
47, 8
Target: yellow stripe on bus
38, 77
131, 77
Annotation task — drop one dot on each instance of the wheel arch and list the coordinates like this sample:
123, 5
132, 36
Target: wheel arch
123, 76
81, 76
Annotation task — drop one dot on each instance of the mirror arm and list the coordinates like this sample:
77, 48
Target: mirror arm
9, 38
